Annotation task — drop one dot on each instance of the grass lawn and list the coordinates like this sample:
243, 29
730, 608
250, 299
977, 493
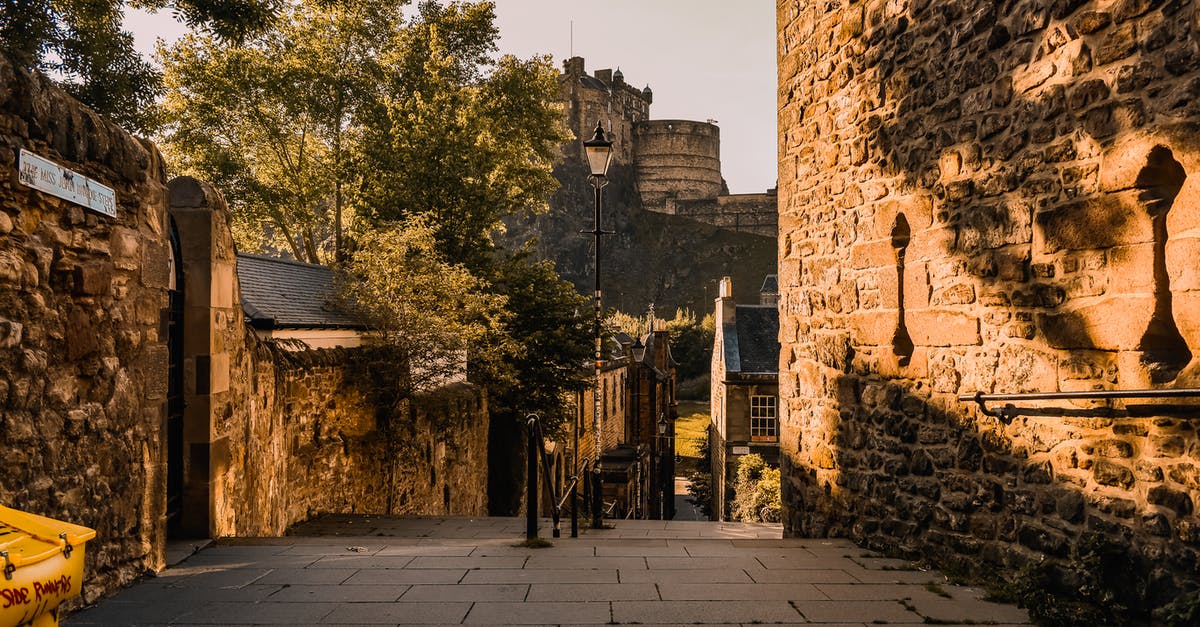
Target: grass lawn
691, 428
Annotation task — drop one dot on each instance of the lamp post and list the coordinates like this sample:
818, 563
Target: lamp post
599, 153
662, 467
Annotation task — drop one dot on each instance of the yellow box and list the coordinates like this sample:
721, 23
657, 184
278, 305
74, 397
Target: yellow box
42, 561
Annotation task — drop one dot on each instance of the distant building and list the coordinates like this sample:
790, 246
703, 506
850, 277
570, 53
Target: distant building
637, 387
745, 387
676, 163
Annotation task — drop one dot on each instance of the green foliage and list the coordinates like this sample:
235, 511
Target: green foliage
430, 310
691, 343
271, 121
551, 342
82, 44
700, 480
756, 491
457, 136
1184, 610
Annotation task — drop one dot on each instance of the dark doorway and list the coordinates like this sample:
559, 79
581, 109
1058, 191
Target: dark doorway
173, 317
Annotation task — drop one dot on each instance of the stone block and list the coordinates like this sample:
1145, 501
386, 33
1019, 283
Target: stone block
1112, 323
10, 333
872, 255
1112, 474
929, 244
92, 278
932, 327
1177, 500
1094, 223
1025, 368
1182, 267
872, 328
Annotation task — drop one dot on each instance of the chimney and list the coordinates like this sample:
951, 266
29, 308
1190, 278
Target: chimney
726, 307
573, 66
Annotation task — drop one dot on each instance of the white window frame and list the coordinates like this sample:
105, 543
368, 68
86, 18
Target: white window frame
764, 418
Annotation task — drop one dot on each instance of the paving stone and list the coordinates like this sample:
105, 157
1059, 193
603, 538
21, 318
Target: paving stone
803, 575
691, 612
307, 576
705, 575
864, 611
739, 592
540, 576
467, 592
467, 562
338, 594
962, 610
259, 613
365, 561
564, 562
404, 576
701, 563
426, 549
873, 591
549, 613
540, 592
397, 613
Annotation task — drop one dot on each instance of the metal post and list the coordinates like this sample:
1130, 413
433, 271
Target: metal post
597, 500
598, 183
531, 499
575, 507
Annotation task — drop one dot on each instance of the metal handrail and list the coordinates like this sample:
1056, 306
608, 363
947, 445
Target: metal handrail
537, 449
1009, 410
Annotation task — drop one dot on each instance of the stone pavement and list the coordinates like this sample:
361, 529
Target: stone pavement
449, 571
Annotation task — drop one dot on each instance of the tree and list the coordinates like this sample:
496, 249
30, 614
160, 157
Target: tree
271, 121
691, 342
429, 310
756, 491
458, 137
82, 43
552, 336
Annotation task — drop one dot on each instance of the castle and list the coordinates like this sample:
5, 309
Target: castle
676, 163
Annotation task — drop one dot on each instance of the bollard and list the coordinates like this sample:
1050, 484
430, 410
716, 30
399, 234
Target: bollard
531, 479
597, 500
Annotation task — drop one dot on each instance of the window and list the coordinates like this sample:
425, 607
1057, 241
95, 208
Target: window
764, 427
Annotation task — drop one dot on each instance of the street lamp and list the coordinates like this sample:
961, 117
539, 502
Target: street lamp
599, 155
662, 467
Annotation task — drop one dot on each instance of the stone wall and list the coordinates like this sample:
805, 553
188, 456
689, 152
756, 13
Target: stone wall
268, 437
273, 437
751, 213
82, 388
995, 197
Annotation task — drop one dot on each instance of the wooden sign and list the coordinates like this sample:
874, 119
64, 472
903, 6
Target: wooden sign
51, 178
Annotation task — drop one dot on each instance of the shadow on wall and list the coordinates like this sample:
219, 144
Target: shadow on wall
1013, 207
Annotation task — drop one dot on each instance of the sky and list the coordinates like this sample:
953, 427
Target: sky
704, 60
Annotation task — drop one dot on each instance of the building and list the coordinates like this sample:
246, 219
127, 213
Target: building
745, 387
290, 300
637, 427
676, 163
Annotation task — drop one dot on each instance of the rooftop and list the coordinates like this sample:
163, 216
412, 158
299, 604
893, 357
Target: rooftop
278, 293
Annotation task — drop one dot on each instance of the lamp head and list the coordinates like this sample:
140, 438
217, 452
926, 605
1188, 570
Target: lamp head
662, 425
599, 152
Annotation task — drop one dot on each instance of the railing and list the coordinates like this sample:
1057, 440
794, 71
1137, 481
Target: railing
537, 451
1010, 411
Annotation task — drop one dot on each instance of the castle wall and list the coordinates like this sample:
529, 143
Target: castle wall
588, 99
676, 159
753, 213
999, 198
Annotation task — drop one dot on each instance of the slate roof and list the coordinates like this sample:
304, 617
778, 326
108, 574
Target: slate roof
758, 338
280, 294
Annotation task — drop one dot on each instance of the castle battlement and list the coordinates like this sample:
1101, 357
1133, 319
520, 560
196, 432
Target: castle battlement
677, 163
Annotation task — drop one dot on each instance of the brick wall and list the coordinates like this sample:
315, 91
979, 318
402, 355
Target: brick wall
995, 197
